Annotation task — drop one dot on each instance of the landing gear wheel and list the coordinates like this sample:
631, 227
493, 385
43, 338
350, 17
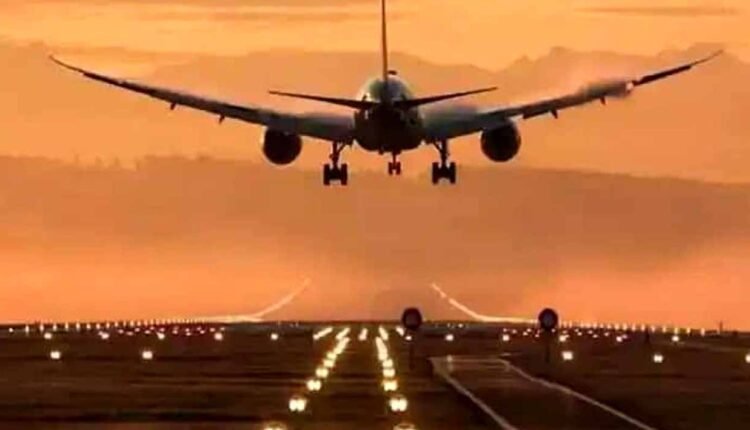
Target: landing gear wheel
443, 169
394, 168
333, 171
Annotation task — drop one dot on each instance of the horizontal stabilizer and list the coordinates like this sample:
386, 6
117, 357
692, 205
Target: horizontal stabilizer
411, 103
352, 103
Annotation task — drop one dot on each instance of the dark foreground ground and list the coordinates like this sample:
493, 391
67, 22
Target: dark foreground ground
246, 379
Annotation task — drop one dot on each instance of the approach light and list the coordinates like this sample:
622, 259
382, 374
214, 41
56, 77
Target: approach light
314, 385
449, 337
390, 385
398, 403
297, 403
387, 363
160, 335
275, 425
274, 337
567, 355
104, 335
362, 334
218, 336
55, 355
328, 363
505, 337
322, 372
147, 355
47, 335
389, 372
675, 338
658, 358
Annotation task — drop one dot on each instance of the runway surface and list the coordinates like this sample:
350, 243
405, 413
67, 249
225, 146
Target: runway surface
451, 375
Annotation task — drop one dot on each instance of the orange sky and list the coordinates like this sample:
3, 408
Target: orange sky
486, 33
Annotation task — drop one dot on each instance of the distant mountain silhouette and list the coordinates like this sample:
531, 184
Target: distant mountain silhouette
693, 126
182, 236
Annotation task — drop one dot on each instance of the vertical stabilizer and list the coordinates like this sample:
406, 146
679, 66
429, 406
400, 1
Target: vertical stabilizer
384, 40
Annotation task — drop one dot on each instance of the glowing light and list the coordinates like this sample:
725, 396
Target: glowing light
383, 333
408, 338
322, 333
55, 355
160, 335
321, 372
449, 337
314, 385
342, 334
328, 363
363, 335
562, 338
567, 355
218, 336
398, 403
147, 355
387, 363
298, 403
47, 335
389, 372
104, 335
658, 358
675, 338
747, 358
405, 426
400, 330
390, 385
505, 337
275, 426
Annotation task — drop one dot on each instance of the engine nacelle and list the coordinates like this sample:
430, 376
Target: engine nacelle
502, 143
281, 148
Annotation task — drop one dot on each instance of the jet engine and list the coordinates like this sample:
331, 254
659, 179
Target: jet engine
501, 143
281, 148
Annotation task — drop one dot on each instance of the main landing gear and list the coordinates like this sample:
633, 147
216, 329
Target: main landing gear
394, 166
333, 171
444, 169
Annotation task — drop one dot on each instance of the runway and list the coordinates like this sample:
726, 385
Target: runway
447, 376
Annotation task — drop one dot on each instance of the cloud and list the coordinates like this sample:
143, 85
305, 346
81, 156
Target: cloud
664, 11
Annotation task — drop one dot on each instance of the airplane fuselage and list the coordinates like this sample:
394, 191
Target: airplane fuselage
386, 128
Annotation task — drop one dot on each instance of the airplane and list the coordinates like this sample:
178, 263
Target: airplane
387, 119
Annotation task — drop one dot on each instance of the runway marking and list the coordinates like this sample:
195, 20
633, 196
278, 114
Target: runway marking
476, 315
570, 392
440, 368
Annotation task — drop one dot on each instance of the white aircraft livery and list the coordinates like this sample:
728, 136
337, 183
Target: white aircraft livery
386, 117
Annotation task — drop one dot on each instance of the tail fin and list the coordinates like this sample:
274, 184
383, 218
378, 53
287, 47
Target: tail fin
384, 40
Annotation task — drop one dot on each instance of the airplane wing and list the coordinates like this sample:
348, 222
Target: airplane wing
335, 128
448, 125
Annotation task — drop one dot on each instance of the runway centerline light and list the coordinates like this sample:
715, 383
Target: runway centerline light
147, 355
321, 372
567, 355
675, 338
398, 403
275, 426
449, 337
389, 372
390, 385
297, 403
274, 336
218, 336
658, 358
314, 385
505, 337
47, 335
55, 355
